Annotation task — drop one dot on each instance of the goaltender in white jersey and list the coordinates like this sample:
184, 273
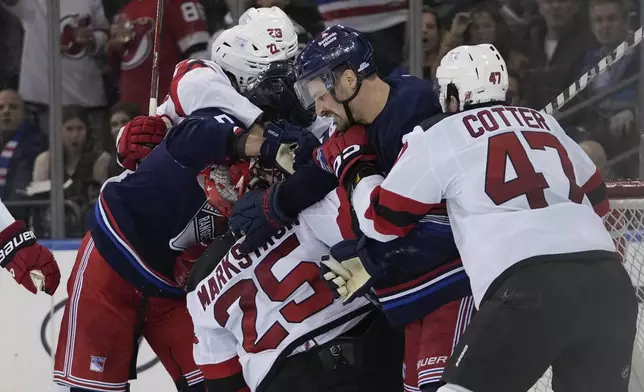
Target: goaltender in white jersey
258, 309
525, 205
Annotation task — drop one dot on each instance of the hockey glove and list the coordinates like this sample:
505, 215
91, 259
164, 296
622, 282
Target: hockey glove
343, 151
278, 133
294, 155
257, 216
31, 264
306, 144
137, 139
345, 272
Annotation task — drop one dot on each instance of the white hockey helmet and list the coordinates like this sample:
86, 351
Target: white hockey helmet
276, 23
478, 72
244, 52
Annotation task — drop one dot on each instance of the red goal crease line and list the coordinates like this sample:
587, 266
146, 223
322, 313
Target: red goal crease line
623, 49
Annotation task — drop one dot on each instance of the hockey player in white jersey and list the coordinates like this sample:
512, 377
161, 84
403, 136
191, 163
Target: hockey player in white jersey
525, 205
269, 317
288, 332
199, 84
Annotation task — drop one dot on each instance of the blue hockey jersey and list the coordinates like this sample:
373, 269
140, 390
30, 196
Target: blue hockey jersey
143, 220
423, 270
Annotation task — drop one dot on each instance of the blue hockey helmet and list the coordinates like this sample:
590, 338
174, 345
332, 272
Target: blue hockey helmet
335, 47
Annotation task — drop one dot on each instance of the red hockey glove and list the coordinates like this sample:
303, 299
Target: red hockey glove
343, 151
138, 138
184, 263
27, 260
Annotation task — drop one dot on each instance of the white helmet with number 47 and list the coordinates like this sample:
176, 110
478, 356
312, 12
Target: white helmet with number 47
276, 23
244, 52
478, 72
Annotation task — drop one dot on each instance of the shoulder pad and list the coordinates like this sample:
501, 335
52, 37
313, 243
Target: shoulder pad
207, 262
433, 120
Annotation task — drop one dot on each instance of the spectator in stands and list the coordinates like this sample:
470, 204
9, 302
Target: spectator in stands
382, 22
185, 35
106, 166
608, 20
83, 38
10, 49
455, 34
78, 156
597, 154
431, 43
611, 121
488, 27
556, 45
482, 25
514, 90
21, 143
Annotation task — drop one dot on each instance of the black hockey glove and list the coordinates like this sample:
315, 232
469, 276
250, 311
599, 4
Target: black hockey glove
257, 217
276, 134
306, 144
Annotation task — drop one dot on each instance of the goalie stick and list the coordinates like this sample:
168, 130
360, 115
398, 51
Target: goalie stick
599, 68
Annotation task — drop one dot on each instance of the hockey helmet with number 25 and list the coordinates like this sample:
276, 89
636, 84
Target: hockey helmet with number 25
334, 47
478, 73
276, 23
245, 51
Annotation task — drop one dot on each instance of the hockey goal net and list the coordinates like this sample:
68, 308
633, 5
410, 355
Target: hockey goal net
625, 222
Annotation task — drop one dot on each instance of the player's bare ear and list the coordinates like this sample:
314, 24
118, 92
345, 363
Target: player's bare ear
350, 78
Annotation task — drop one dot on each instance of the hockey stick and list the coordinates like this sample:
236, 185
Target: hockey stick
599, 68
154, 88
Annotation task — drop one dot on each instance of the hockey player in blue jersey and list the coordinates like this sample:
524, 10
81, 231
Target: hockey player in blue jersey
123, 284
428, 293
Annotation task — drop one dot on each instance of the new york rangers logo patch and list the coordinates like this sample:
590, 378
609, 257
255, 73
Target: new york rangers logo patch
97, 364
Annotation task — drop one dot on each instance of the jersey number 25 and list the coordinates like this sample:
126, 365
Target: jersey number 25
507, 147
278, 291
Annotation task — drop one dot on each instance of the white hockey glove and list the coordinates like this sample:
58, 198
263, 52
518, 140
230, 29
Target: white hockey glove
348, 277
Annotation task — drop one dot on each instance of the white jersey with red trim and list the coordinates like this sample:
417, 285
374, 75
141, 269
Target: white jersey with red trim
200, 84
258, 309
515, 184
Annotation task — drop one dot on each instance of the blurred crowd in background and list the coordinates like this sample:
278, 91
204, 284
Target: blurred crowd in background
106, 47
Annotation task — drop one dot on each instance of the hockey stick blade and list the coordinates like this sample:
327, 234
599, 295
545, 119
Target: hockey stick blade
620, 51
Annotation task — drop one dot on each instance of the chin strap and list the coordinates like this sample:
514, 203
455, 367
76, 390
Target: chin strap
345, 103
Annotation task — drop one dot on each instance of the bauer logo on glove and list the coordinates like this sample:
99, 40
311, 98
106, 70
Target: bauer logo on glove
25, 238
31, 265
